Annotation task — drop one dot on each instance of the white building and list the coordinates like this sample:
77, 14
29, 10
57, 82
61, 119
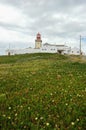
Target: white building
52, 48
75, 51
45, 48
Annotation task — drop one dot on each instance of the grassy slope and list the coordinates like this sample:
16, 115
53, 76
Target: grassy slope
42, 91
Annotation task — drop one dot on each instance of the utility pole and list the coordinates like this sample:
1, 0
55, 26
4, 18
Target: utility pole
9, 50
9, 46
80, 45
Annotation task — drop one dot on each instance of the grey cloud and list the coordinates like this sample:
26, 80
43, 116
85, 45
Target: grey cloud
69, 23
37, 6
15, 28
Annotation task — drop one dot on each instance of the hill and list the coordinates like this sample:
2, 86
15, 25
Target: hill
42, 92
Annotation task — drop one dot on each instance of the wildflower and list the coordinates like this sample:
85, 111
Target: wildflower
52, 100
9, 108
21, 123
77, 119
16, 114
56, 125
9, 117
4, 115
21, 106
15, 118
28, 108
85, 89
71, 99
57, 116
51, 94
14, 110
25, 127
78, 95
36, 118
66, 104
47, 124
31, 88
72, 123
58, 77
49, 116
13, 123
18, 106
41, 118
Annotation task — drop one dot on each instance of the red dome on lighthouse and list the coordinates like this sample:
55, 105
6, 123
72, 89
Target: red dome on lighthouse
38, 36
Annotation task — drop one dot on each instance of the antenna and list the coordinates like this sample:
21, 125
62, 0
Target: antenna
9, 46
9, 50
80, 45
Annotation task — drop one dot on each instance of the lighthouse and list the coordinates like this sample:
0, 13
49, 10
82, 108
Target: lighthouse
38, 41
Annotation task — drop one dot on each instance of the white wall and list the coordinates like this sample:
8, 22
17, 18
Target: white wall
74, 51
46, 49
23, 51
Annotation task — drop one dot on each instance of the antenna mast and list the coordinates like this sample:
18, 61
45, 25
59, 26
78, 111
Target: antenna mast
80, 44
9, 50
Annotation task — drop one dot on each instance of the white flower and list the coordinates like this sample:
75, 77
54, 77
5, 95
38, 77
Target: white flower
51, 94
66, 104
9, 108
21, 106
52, 100
28, 108
47, 124
77, 119
25, 127
4, 115
16, 114
41, 118
9, 117
72, 123
36, 118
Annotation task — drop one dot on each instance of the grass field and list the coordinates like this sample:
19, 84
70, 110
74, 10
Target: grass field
42, 92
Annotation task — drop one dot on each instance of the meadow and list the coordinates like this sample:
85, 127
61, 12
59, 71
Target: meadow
42, 92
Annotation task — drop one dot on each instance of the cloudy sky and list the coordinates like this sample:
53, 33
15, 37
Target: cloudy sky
58, 21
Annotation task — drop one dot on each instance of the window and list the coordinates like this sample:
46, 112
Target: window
52, 49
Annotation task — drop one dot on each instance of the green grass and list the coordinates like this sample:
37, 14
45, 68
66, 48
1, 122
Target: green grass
42, 92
